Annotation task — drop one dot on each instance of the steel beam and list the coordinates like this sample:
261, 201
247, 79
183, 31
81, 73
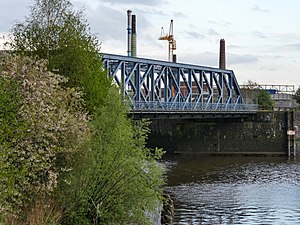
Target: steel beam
153, 85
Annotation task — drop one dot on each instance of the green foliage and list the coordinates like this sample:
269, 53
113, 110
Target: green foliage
39, 34
54, 31
53, 124
114, 178
296, 96
10, 104
118, 179
11, 130
265, 100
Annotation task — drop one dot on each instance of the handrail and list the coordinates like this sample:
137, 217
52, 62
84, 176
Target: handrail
191, 107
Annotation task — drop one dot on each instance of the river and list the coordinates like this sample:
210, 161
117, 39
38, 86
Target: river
234, 190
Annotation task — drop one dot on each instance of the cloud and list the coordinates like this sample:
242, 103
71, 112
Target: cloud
258, 34
292, 47
157, 12
111, 23
286, 37
179, 14
150, 11
211, 59
11, 12
212, 32
282, 48
268, 49
136, 2
194, 34
235, 47
221, 24
202, 59
234, 59
258, 9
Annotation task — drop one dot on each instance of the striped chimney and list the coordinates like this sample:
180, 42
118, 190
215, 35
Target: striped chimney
129, 32
133, 37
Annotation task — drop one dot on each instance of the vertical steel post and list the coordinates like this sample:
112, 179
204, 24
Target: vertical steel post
211, 81
190, 85
137, 78
177, 77
166, 86
123, 78
152, 80
201, 85
221, 75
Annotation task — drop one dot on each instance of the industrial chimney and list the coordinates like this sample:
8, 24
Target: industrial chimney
222, 58
133, 37
129, 32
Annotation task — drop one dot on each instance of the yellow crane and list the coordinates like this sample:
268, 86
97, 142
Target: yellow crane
171, 40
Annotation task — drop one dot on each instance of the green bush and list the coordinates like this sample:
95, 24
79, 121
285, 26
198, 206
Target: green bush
45, 125
296, 96
265, 101
11, 130
117, 180
114, 178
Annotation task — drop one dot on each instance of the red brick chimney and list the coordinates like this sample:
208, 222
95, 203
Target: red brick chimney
222, 59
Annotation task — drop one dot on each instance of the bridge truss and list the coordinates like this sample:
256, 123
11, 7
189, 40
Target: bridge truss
158, 86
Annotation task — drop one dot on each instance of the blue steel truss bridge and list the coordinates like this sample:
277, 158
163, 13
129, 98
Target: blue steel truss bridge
154, 87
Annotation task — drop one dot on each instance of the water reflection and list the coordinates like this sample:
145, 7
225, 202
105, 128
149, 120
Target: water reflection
234, 190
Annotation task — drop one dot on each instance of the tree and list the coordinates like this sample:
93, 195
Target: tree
45, 126
250, 91
265, 100
39, 34
296, 96
251, 85
54, 31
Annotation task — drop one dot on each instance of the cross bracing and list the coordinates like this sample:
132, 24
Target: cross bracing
152, 85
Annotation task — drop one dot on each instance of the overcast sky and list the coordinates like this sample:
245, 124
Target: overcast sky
262, 36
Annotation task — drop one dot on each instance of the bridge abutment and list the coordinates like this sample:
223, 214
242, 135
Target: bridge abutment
264, 133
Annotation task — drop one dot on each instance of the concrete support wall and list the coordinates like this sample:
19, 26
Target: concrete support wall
264, 133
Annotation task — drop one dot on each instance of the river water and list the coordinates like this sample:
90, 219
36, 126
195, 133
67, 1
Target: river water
234, 190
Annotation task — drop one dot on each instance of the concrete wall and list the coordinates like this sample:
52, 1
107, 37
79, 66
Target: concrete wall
264, 133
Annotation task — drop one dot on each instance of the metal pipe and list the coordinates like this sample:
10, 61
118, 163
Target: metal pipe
174, 60
133, 37
129, 32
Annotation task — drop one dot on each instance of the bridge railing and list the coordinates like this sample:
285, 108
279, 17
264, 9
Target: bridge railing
157, 106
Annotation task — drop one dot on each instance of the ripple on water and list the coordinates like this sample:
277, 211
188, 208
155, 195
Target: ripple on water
260, 192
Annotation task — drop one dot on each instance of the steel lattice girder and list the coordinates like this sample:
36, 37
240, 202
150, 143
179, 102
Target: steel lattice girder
179, 86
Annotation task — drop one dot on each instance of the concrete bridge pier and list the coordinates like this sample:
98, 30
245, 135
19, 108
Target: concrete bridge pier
264, 133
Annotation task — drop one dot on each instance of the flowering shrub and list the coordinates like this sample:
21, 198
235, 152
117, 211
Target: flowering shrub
53, 125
